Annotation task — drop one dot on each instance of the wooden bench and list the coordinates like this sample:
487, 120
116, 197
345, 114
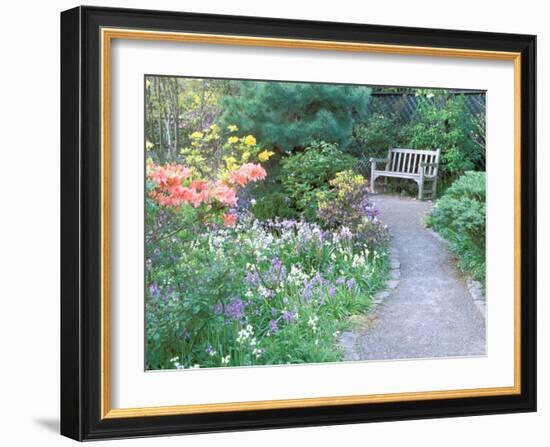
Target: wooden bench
418, 165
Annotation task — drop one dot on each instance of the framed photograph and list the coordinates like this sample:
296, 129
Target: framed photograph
277, 223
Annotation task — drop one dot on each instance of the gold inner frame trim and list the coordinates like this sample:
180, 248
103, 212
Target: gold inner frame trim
107, 35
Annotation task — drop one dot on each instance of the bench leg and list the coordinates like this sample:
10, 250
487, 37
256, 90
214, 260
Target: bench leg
372, 180
420, 189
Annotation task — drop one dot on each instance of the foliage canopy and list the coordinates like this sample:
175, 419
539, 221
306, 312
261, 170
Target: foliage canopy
289, 116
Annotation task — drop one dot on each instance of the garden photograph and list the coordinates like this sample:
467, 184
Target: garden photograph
297, 222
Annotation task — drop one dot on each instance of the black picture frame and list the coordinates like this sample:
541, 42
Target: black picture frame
81, 223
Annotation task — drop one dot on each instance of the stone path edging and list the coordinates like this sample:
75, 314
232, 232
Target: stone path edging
393, 282
474, 287
348, 339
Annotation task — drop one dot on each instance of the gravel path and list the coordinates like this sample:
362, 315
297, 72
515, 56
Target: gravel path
430, 313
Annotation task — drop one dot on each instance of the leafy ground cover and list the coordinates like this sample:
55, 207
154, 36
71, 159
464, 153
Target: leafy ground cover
459, 216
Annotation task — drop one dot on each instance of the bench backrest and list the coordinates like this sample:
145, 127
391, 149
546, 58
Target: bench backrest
408, 160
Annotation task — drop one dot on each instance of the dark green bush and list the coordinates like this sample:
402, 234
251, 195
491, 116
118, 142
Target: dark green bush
305, 174
374, 136
459, 216
273, 205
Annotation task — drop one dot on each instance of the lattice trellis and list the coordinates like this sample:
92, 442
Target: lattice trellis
404, 105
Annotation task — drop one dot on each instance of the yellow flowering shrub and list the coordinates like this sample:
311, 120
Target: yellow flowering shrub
265, 155
196, 135
231, 163
347, 181
214, 149
249, 140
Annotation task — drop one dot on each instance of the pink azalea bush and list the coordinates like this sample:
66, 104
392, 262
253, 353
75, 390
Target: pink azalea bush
175, 185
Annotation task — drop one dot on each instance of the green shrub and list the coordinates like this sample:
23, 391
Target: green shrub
471, 185
273, 205
307, 173
459, 216
374, 136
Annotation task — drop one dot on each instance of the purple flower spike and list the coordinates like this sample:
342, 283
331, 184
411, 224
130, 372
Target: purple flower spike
318, 278
252, 278
275, 263
289, 316
308, 289
154, 290
273, 326
235, 309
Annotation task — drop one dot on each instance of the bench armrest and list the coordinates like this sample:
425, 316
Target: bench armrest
423, 164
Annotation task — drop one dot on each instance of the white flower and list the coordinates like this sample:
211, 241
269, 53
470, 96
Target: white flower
312, 322
242, 336
264, 291
245, 333
296, 277
226, 359
360, 260
176, 363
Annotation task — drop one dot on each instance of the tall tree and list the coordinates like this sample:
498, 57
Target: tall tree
289, 115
